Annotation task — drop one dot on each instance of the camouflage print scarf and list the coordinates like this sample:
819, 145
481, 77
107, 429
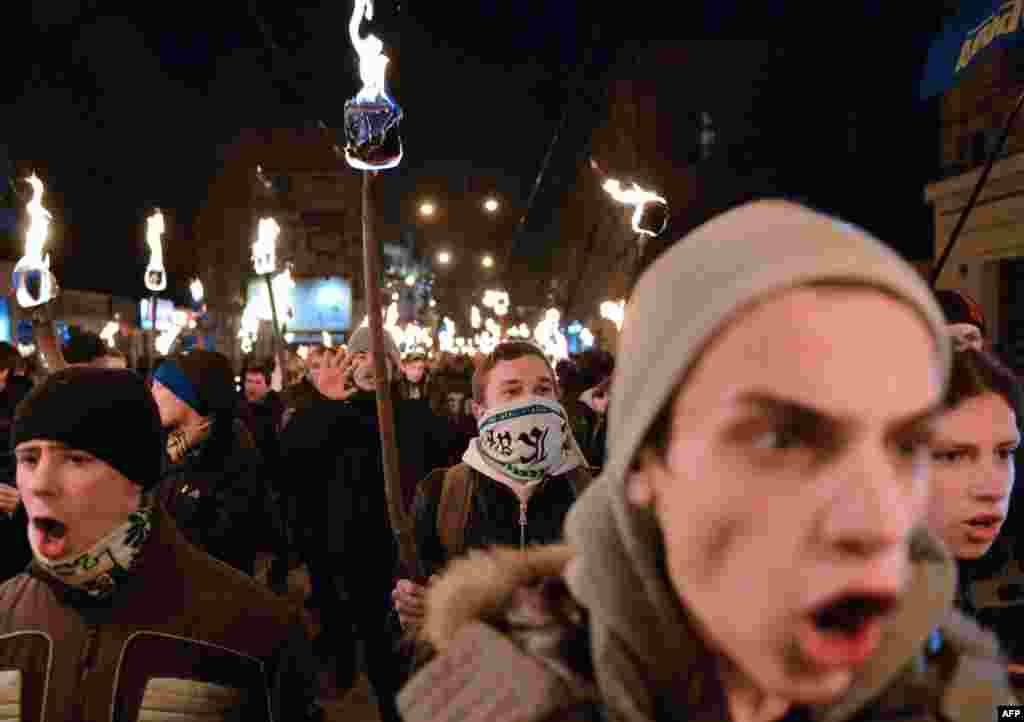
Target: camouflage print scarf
181, 441
98, 570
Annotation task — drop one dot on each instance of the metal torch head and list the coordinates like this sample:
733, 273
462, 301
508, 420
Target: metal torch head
652, 218
372, 138
34, 286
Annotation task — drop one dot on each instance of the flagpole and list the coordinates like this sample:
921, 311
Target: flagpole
961, 222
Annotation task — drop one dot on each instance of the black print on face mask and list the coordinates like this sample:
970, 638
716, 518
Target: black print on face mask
502, 443
535, 440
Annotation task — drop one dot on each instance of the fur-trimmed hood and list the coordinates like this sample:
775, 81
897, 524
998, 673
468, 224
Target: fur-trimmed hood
499, 589
482, 586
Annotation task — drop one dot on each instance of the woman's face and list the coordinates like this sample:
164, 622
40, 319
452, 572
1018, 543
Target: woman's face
972, 474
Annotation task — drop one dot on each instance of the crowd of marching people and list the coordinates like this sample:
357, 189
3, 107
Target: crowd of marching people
785, 497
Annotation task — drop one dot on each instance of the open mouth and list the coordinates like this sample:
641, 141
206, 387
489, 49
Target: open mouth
846, 629
848, 614
50, 536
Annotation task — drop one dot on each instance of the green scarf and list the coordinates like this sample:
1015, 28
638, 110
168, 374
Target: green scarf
98, 570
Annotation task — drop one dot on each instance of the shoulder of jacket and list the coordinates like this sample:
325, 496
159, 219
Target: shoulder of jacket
483, 675
978, 681
217, 585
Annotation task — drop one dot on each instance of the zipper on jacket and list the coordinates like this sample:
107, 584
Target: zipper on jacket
522, 525
88, 658
86, 661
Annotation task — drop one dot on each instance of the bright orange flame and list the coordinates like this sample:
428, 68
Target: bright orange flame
372, 61
635, 196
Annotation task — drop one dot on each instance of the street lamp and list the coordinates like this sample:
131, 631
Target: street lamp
444, 258
491, 205
487, 262
427, 209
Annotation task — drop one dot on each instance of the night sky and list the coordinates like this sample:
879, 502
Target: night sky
121, 108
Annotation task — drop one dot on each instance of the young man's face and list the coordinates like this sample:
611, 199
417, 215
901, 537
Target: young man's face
72, 498
455, 402
972, 474
414, 371
256, 386
795, 471
363, 374
517, 379
966, 335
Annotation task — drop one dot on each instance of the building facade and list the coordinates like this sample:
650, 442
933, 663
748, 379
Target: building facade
987, 261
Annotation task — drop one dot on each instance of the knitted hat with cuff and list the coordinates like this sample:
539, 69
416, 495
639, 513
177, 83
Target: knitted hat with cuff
109, 413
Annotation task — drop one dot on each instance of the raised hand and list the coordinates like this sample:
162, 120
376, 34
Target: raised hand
336, 375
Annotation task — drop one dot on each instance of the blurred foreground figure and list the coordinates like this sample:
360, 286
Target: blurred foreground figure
118, 617
754, 549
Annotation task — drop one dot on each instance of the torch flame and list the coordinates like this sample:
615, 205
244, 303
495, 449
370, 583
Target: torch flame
550, 337
372, 61
196, 287
156, 276
614, 311
33, 270
635, 196
109, 331
264, 249
326, 339
39, 225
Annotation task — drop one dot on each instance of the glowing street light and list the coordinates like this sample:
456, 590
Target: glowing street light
487, 262
444, 258
410, 280
491, 205
196, 287
427, 209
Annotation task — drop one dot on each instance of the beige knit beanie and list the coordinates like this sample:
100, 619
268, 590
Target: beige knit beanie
734, 259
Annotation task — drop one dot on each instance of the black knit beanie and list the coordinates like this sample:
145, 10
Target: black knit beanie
212, 379
109, 413
960, 308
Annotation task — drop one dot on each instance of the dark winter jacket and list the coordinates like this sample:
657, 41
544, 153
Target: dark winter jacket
220, 498
494, 516
263, 419
342, 498
13, 537
185, 637
297, 397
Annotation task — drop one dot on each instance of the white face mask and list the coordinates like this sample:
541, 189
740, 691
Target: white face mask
526, 439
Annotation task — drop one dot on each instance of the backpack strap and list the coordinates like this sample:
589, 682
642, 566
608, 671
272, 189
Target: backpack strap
453, 508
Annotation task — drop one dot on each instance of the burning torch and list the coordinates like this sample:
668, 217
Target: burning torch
373, 144
156, 276
35, 285
264, 260
650, 214
198, 293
